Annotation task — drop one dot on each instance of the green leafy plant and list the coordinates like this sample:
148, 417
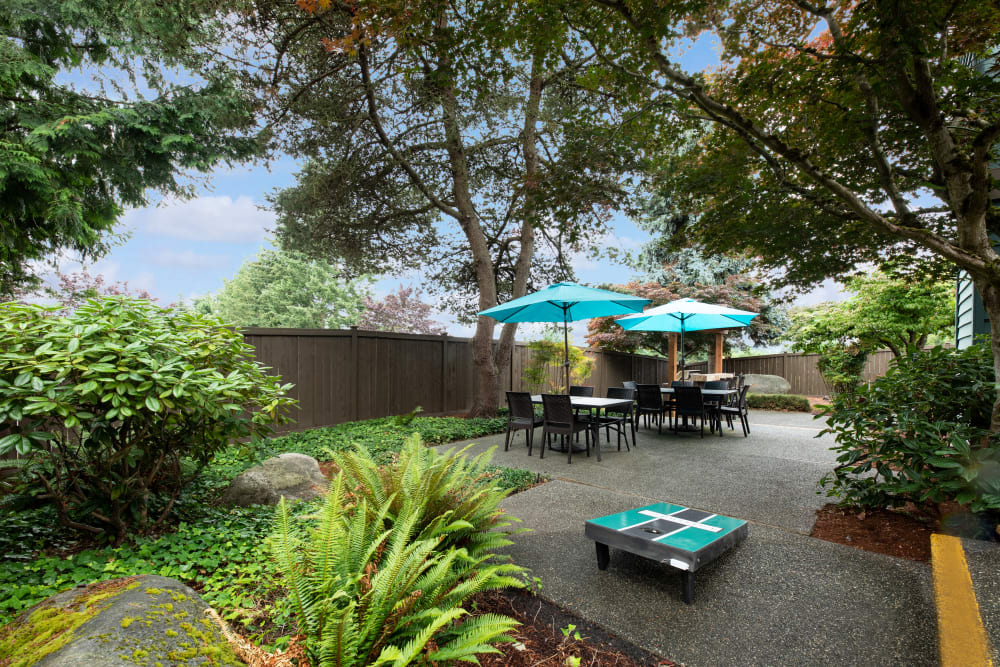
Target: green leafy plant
919, 434
110, 403
547, 355
367, 594
435, 488
791, 402
571, 630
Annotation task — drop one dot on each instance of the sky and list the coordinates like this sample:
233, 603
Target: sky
181, 249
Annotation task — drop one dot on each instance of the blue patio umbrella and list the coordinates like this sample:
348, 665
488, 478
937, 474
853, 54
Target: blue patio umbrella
565, 302
686, 315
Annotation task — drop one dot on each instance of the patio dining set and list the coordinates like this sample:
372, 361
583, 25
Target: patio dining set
684, 405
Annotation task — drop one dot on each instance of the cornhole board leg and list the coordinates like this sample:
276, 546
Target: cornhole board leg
603, 555
687, 587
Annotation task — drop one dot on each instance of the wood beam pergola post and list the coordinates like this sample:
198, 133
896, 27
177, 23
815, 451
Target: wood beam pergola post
672, 354
715, 363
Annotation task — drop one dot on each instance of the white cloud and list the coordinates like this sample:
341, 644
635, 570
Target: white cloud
186, 259
204, 219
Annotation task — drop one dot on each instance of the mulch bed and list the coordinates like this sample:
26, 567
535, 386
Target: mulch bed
882, 531
539, 640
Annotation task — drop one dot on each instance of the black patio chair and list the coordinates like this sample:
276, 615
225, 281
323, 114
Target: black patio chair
559, 419
621, 420
681, 383
740, 410
651, 404
581, 390
717, 401
521, 415
691, 403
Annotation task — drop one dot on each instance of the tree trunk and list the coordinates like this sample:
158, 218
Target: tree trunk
990, 292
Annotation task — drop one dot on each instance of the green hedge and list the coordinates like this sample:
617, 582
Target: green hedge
791, 402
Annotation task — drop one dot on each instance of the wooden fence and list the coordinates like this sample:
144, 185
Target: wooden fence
799, 369
347, 375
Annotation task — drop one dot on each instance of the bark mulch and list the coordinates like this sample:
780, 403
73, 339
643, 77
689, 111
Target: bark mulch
540, 641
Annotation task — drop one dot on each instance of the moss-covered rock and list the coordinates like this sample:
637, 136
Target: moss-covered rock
144, 620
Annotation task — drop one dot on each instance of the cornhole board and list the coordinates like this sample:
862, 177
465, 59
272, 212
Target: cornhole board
686, 539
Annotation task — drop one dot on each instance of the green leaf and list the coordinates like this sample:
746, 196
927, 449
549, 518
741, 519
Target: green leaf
153, 404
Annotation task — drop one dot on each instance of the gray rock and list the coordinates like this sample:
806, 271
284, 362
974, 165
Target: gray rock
143, 620
767, 384
294, 476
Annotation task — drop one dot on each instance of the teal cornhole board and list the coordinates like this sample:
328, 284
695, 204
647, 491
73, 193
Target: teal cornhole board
684, 538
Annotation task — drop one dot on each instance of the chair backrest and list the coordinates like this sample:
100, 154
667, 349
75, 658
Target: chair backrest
621, 392
649, 396
520, 404
743, 397
630, 384
741, 381
717, 384
682, 383
688, 398
558, 409
581, 390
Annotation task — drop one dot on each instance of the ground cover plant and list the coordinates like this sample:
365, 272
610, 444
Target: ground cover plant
920, 434
218, 551
116, 407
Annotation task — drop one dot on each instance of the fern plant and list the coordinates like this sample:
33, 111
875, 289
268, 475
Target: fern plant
368, 587
449, 488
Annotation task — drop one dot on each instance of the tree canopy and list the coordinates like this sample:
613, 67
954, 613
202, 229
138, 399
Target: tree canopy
835, 134
287, 289
77, 149
403, 311
884, 312
450, 137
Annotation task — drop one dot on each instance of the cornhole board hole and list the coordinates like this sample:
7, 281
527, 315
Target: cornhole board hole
686, 539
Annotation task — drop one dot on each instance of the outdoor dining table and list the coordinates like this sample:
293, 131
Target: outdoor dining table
719, 394
591, 403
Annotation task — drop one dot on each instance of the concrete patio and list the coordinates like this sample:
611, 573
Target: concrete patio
781, 597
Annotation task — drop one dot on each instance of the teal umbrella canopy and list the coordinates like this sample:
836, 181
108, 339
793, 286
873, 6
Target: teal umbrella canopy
687, 315
566, 302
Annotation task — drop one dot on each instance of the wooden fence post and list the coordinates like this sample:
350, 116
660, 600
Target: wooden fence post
356, 374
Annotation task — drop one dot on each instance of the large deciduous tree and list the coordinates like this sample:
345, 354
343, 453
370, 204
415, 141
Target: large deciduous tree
403, 311
287, 289
89, 122
447, 136
835, 133
883, 312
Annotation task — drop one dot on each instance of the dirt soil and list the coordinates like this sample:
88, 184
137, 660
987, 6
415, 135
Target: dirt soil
539, 640
882, 531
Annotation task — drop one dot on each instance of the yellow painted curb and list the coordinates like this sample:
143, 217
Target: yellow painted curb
961, 635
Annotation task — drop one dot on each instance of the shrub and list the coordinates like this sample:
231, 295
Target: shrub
920, 433
364, 594
792, 402
547, 355
108, 403
447, 487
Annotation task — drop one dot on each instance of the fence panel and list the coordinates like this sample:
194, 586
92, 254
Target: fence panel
345, 375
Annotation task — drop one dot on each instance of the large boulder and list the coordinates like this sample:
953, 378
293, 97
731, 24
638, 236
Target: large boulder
292, 476
144, 620
767, 384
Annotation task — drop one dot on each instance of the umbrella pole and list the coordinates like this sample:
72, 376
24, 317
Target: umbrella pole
566, 350
683, 360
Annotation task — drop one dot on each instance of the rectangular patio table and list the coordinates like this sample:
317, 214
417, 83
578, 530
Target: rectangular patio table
686, 539
590, 403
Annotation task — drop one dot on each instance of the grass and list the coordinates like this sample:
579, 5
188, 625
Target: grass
220, 552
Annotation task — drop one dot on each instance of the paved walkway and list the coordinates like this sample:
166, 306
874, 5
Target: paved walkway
781, 597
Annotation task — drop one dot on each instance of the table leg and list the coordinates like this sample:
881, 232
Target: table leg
603, 556
687, 586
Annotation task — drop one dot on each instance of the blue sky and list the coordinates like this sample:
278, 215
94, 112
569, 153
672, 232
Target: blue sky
181, 249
